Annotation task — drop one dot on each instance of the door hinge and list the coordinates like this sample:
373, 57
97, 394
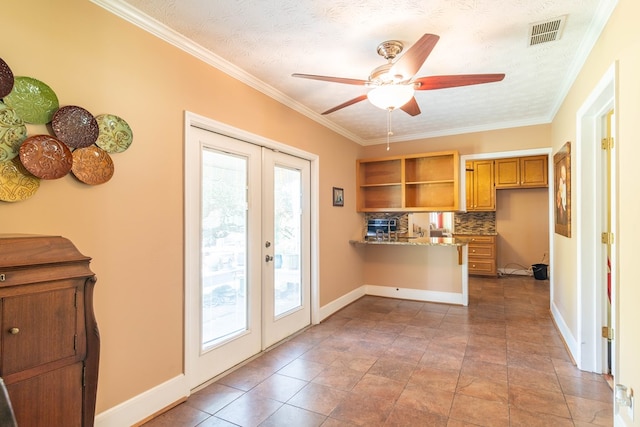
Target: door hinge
607, 333
607, 143
84, 374
607, 238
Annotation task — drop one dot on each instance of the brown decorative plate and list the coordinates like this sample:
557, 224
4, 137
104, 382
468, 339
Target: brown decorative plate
75, 126
16, 183
6, 79
46, 157
92, 165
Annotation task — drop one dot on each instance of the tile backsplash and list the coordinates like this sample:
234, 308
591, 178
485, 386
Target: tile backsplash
474, 222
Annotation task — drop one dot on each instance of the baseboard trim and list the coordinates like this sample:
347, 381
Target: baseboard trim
342, 302
514, 272
415, 294
567, 336
140, 407
391, 292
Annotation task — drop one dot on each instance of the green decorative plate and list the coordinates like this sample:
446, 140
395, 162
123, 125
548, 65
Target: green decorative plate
16, 183
115, 135
34, 101
12, 132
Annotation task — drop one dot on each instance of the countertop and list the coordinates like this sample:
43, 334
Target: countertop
419, 241
476, 234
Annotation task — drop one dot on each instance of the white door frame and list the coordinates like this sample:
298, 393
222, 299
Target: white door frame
589, 218
192, 119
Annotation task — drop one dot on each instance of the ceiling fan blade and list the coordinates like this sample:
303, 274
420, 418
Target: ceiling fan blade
411, 107
346, 104
409, 63
442, 82
331, 79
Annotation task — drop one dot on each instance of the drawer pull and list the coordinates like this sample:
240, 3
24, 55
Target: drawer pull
14, 331
2, 277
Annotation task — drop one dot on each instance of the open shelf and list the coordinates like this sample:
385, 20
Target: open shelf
420, 182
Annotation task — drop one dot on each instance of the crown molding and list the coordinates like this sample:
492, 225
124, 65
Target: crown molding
136, 17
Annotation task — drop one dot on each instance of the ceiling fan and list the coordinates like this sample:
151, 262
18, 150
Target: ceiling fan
394, 83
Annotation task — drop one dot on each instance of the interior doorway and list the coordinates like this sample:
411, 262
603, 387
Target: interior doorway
596, 262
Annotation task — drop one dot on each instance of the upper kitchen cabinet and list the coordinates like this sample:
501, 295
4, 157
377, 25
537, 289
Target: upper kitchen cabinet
413, 183
480, 189
521, 172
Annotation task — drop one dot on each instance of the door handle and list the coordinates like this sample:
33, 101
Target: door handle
268, 258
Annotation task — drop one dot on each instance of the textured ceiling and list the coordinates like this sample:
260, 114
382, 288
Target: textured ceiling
264, 42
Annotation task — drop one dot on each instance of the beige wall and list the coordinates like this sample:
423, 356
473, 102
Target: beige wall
132, 226
522, 223
620, 41
522, 138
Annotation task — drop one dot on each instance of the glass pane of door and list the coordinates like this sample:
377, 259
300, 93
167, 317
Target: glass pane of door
287, 240
224, 247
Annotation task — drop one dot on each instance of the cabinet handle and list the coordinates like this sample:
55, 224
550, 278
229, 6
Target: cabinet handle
2, 277
474, 251
14, 331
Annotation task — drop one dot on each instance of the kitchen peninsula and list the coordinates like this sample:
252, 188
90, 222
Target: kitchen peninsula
423, 269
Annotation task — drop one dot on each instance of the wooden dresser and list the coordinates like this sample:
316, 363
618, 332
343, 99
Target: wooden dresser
49, 345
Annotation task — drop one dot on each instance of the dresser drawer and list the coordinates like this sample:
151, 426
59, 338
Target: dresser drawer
481, 239
487, 267
481, 251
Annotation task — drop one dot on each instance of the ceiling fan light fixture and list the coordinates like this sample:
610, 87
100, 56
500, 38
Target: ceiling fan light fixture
390, 97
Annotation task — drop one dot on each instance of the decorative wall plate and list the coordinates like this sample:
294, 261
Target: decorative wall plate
46, 157
33, 100
12, 132
92, 165
16, 183
75, 126
6, 79
115, 134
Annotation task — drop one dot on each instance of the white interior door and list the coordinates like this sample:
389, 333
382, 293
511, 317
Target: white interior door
243, 294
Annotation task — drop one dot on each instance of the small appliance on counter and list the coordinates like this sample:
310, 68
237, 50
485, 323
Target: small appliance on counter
382, 229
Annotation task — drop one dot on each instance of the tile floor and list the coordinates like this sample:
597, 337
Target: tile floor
387, 362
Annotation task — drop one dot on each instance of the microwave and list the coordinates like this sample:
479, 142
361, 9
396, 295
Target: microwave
384, 226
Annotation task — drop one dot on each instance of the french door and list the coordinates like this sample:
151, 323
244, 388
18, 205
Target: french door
247, 257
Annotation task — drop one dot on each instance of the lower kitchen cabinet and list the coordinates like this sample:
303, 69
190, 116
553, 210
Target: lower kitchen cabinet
49, 345
482, 255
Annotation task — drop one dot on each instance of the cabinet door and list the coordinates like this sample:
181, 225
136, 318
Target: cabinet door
507, 172
484, 190
53, 399
533, 171
38, 328
469, 185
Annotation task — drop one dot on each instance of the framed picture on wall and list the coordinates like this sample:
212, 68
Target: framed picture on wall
338, 196
562, 190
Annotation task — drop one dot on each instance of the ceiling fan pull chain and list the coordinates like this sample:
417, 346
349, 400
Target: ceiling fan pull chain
389, 133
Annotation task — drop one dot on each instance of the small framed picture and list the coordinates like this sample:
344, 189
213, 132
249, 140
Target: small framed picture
338, 196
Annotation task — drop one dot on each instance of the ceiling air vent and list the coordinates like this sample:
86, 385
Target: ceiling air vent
546, 31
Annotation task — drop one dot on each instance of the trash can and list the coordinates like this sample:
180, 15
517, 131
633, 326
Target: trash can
540, 271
